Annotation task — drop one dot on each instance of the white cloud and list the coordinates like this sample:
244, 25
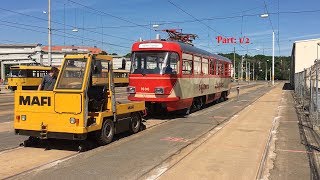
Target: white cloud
305, 36
259, 33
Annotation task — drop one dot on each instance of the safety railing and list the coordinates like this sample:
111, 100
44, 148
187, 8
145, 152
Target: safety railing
306, 86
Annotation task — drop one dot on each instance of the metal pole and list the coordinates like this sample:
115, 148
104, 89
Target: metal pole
246, 69
272, 58
310, 96
266, 78
239, 71
253, 73
317, 51
317, 93
249, 70
234, 63
270, 74
49, 32
3, 73
241, 68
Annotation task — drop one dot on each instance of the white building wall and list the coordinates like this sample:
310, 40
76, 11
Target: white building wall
117, 62
305, 54
30, 54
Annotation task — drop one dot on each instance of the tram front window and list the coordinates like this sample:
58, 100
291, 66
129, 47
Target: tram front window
154, 63
72, 74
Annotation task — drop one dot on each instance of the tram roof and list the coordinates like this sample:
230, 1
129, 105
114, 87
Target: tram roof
190, 48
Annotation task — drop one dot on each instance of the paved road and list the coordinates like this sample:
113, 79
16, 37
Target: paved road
9, 140
6, 107
136, 155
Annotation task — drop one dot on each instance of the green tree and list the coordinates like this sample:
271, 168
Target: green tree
128, 55
281, 67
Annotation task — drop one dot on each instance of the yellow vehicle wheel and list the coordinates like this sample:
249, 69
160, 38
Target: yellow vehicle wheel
105, 135
135, 123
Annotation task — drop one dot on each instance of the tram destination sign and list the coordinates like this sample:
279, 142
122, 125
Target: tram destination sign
150, 45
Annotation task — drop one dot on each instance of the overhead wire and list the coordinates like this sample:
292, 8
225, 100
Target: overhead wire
42, 19
108, 14
198, 20
146, 26
61, 35
209, 19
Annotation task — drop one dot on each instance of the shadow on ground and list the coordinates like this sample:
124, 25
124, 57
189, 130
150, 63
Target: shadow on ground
287, 86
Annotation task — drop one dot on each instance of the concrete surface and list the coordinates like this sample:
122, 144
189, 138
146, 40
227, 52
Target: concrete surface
9, 140
291, 161
136, 155
36, 157
235, 152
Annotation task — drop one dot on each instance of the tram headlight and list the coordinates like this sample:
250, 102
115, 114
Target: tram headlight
131, 90
159, 90
23, 117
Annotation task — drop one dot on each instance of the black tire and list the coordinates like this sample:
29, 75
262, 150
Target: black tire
224, 96
198, 103
135, 123
183, 112
186, 111
105, 135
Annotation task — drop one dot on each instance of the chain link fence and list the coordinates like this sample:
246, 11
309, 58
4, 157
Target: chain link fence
306, 86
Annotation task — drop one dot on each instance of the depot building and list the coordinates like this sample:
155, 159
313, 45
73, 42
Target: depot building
36, 54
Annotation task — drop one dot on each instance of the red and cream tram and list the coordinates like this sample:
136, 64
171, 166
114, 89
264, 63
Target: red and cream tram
175, 75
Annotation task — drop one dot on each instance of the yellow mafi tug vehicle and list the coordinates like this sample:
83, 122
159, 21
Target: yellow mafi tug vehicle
77, 108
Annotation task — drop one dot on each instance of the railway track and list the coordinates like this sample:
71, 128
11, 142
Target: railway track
48, 158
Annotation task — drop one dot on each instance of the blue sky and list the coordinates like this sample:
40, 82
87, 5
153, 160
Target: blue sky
115, 25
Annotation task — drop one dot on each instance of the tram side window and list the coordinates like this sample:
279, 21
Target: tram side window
211, 67
218, 68
204, 66
187, 66
197, 65
222, 69
227, 69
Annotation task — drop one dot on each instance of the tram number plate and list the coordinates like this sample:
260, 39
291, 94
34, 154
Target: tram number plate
145, 89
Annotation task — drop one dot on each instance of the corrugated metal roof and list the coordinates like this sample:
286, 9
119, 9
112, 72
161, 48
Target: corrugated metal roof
93, 50
18, 45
